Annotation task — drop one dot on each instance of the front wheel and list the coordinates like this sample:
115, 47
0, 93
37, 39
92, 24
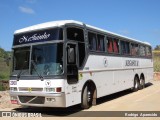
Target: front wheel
86, 98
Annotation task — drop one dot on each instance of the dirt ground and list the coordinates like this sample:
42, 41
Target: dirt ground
5, 100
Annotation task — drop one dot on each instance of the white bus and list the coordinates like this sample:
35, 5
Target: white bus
64, 63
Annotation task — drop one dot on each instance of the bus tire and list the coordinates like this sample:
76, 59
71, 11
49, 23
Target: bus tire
142, 83
85, 98
136, 84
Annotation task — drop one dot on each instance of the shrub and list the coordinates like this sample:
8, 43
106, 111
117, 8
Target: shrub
156, 58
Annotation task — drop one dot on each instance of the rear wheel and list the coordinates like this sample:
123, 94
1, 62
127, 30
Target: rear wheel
142, 83
136, 84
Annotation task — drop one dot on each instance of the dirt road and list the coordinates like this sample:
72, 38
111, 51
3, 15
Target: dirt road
147, 99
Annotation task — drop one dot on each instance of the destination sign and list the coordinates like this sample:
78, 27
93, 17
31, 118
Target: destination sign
37, 36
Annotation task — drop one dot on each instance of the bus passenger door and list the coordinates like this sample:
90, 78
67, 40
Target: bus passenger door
72, 68
72, 72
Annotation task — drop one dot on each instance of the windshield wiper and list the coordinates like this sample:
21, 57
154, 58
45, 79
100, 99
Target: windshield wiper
35, 68
19, 74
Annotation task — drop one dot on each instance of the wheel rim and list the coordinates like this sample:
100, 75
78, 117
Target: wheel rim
136, 84
89, 96
142, 83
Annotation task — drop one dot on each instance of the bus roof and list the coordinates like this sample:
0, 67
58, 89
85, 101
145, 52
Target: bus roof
64, 22
47, 25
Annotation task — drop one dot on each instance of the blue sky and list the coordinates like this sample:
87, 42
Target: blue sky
139, 19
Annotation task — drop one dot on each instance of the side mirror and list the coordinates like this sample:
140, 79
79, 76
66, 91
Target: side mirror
71, 55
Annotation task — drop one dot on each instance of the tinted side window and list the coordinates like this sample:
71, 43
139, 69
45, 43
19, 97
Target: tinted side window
110, 45
134, 49
116, 45
148, 51
100, 43
113, 45
92, 41
75, 34
125, 49
142, 50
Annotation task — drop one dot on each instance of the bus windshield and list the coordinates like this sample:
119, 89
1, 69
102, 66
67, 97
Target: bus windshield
46, 59
21, 61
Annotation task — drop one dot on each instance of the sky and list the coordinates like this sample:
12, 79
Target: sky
138, 19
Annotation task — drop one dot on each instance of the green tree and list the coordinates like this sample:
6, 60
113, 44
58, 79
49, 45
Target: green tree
3, 53
157, 47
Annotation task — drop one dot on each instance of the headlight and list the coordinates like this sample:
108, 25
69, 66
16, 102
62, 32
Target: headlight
13, 89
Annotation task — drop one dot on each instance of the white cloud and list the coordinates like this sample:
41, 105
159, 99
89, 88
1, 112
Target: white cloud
26, 10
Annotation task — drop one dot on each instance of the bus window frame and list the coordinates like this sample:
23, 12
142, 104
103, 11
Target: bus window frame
76, 27
76, 41
119, 38
104, 41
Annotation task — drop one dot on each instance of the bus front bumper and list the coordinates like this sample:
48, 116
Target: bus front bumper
38, 99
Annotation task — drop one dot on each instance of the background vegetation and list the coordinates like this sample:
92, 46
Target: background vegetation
4, 68
156, 56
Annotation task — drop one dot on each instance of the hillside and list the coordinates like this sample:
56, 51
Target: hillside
4, 68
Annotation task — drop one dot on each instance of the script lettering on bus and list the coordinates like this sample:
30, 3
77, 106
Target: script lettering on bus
132, 63
34, 37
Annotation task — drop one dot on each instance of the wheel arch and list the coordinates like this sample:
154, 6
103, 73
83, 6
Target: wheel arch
136, 75
91, 84
142, 76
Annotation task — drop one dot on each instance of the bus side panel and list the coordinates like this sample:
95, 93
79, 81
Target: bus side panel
148, 72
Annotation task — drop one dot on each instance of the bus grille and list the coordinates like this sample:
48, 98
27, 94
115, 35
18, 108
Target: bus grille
33, 89
32, 99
